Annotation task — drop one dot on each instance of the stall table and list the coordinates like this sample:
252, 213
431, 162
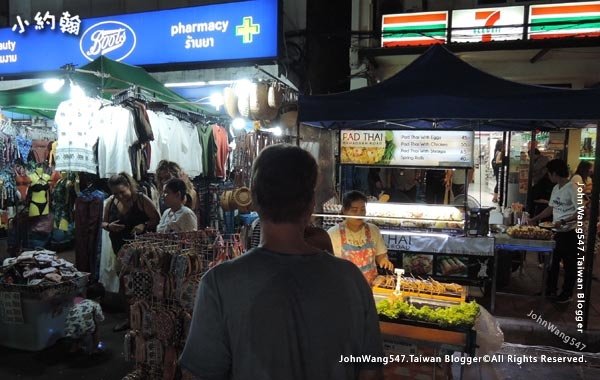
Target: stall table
505, 242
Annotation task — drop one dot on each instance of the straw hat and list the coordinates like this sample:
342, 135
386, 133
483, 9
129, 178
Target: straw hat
242, 197
271, 113
231, 102
259, 103
275, 96
289, 118
244, 104
227, 203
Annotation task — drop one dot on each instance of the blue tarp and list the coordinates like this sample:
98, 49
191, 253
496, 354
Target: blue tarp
439, 90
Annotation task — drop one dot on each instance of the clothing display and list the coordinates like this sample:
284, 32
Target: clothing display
88, 221
222, 142
77, 134
41, 150
116, 135
209, 149
39, 193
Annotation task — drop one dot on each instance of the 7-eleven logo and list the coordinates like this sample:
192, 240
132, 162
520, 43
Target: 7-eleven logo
491, 18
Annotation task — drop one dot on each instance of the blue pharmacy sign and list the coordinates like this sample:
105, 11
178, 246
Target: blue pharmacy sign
244, 30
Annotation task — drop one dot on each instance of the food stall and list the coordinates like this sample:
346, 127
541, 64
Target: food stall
438, 91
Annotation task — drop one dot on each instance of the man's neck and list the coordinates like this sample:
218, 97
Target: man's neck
284, 237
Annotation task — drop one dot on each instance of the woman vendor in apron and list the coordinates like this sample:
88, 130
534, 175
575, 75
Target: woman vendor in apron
358, 241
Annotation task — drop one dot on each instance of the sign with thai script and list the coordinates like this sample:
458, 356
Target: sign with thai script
407, 148
220, 32
488, 24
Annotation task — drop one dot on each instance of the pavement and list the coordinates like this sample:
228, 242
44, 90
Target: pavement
523, 337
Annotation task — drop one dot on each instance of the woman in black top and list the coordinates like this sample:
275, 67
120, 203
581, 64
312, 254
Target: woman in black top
129, 212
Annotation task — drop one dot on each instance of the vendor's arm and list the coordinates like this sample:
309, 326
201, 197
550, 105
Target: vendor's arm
151, 213
336, 240
381, 257
541, 216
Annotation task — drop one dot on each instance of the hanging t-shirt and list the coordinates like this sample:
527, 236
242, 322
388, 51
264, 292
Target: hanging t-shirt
209, 149
192, 150
156, 145
116, 135
76, 135
222, 142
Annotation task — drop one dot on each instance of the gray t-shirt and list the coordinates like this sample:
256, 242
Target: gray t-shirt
268, 315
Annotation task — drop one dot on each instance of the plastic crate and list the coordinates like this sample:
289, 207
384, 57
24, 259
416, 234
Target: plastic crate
44, 311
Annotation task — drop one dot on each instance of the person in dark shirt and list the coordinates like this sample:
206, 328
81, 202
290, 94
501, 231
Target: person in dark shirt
260, 316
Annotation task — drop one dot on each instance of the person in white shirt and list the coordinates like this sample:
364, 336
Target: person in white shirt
563, 208
177, 218
358, 241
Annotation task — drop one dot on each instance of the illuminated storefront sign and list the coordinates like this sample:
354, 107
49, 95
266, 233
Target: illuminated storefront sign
412, 29
567, 20
564, 20
487, 24
220, 32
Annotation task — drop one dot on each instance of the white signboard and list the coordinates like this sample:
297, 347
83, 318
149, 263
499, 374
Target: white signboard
488, 24
407, 148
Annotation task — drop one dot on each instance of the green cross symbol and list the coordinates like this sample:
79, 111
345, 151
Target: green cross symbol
247, 30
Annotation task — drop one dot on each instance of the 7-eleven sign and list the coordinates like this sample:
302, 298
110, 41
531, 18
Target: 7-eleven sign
488, 24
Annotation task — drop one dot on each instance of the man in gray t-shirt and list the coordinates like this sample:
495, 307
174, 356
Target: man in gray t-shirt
284, 310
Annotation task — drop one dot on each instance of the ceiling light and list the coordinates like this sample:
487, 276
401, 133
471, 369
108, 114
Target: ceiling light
216, 100
186, 84
238, 123
76, 92
52, 85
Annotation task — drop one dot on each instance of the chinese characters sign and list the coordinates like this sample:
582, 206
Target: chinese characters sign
67, 23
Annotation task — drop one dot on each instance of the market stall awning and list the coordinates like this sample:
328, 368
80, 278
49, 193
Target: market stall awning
104, 77
440, 86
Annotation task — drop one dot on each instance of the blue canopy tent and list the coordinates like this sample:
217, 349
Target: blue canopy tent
439, 90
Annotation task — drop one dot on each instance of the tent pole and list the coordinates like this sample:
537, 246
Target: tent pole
506, 137
588, 262
529, 202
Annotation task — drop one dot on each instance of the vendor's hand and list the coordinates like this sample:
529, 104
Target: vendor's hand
386, 264
115, 227
140, 228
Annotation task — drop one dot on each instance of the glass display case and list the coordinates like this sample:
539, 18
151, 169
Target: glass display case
417, 217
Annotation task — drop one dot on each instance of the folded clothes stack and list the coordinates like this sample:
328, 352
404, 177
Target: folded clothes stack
40, 267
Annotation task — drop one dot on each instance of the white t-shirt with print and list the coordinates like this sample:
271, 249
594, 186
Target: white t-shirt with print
563, 201
358, 238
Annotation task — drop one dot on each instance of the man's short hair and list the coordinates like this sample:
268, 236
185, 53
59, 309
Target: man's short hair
352, 196
283, 183
558, 167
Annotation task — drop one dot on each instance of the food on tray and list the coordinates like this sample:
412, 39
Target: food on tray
463, 314
358, 155
529, 232
430, 286
451, 266
417, 264
546, 225
388, 282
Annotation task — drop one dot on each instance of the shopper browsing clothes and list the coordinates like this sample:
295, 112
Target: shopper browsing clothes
167, 170
563, 208
359, 241
260, 316
178, 217
128, 212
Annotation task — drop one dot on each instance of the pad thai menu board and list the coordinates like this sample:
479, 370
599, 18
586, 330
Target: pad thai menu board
407, 148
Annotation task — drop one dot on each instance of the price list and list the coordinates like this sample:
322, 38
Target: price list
433, 148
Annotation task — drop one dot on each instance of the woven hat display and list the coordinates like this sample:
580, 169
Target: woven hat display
243, 199
243, 104
289, 118
231, 102
275, 96
259, 103
271, 113
227, 202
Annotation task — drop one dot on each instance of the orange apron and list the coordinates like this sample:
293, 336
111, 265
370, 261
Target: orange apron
363, 257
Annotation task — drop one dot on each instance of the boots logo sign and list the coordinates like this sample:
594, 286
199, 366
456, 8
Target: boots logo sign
106, 37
